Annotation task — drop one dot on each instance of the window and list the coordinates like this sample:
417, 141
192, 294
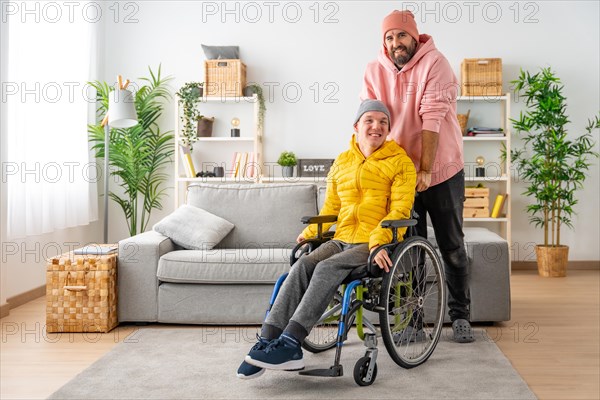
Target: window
51, 182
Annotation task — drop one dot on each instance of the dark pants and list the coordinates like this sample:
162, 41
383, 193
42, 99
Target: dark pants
444, 203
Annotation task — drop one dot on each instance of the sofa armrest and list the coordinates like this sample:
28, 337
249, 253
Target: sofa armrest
137, 282
490, 278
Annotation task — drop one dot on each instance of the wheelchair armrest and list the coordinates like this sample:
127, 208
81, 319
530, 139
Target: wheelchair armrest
304, 247
319, 219
398, 223
308, 245
372, 268
394, 224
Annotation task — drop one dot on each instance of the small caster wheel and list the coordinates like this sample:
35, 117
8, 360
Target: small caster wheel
360, 372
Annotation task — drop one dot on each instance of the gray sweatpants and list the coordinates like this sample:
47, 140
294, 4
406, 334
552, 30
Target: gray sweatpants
310, 286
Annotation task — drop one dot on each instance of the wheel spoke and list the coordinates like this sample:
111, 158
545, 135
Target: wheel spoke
414, 293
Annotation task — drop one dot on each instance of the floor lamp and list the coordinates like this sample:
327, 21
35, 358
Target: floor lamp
121, 114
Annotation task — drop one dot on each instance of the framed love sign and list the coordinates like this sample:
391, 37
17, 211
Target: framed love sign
311, 167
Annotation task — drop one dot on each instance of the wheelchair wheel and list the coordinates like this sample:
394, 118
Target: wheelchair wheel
323, 335
360, 372
413, 296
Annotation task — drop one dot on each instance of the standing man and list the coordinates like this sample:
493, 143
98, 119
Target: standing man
417, 84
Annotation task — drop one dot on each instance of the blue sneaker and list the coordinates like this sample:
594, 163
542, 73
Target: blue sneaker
284, 353
248, 371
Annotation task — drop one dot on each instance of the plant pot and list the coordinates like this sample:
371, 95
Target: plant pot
248, 91
205, 127
552, 260
198, 92
288, 172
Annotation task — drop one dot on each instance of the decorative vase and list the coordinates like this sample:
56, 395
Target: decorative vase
205, 127
288, 172
552, 260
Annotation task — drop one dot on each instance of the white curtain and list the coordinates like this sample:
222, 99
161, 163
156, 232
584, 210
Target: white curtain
51, 180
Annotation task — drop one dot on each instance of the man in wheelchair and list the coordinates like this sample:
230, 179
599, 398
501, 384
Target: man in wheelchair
374, 180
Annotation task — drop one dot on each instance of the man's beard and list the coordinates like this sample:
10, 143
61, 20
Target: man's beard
402, 59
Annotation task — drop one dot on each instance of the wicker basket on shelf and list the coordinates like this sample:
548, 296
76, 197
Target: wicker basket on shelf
481, 77
225, 78
463, 120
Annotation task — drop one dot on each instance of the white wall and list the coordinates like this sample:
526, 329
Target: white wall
281, 52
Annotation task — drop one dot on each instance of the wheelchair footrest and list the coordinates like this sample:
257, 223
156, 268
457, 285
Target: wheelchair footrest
334, 370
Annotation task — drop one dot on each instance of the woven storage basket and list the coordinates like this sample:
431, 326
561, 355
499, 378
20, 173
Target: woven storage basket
481, 77
225, 78
463, 120
81, 293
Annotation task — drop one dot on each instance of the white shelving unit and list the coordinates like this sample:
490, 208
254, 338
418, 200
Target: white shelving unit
218, 149
491, 112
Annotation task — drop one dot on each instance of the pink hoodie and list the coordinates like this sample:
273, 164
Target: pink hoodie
422, 96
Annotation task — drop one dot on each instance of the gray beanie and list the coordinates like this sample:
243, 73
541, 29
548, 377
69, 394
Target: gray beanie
372, 105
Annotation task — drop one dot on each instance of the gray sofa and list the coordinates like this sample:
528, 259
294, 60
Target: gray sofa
231, 283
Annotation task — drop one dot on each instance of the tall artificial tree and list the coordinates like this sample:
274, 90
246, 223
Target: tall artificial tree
137, 155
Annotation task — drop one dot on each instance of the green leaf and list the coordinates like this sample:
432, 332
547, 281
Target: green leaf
138, 154
553, 166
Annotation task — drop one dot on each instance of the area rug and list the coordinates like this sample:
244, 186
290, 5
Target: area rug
200, 363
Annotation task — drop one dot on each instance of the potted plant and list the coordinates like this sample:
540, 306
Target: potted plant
190, 95
553, 165
288, 161
138, 154
252, 89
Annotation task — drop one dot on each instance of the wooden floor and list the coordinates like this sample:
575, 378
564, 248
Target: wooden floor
553, 341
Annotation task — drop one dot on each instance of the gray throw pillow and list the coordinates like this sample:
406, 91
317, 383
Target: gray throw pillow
221, 52
194, 228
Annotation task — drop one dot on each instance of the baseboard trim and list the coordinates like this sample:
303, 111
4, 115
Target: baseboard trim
4, 310
532, 265
20, 299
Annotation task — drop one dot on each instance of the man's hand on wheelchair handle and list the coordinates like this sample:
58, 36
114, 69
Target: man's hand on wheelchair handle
382, 259
299, 238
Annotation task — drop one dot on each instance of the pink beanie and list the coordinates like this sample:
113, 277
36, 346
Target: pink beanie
403, 20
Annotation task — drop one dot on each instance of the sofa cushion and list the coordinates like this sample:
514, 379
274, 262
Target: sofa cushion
321, 194
228, 266
264, 215
193, 228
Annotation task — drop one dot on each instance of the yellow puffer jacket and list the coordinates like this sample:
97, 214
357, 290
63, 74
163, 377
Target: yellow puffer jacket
362, 192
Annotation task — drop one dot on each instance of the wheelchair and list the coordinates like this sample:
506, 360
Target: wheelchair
410, 300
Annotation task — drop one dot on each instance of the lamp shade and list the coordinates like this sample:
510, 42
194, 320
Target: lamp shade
121, 110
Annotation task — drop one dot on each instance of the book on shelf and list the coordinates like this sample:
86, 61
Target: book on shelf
499, 204
235, 164
188, 163
231, 173
485, 132
96, 249
250, 167
250, 171
243, 165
